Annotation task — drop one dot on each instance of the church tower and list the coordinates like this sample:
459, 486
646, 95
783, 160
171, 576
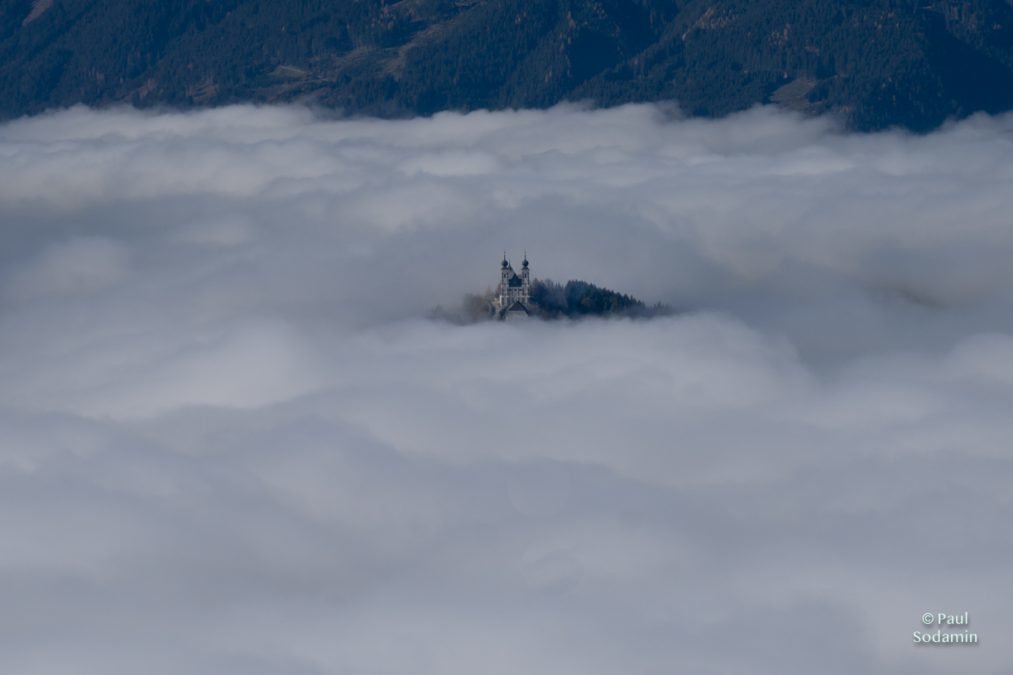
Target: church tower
513, 295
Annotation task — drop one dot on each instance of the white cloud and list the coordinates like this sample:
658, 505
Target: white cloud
231, 442
79, 266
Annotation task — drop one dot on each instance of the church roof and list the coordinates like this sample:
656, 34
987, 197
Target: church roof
518, 306
515, 282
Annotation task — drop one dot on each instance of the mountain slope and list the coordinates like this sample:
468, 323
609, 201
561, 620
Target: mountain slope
876, 63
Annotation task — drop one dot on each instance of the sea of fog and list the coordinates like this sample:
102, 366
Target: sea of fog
232, 442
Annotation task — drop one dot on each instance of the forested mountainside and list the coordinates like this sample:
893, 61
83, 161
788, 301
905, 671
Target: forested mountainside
876, 63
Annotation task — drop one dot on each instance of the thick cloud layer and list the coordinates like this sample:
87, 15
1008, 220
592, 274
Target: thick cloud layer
231, 442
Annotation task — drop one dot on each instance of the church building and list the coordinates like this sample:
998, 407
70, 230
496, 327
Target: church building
513, 294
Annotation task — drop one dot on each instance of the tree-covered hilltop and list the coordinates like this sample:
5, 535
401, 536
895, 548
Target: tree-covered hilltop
550, 300
577, 299
875, 63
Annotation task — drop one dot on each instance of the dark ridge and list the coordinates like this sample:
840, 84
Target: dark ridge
873, 63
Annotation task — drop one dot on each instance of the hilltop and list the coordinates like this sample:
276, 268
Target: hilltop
552, 301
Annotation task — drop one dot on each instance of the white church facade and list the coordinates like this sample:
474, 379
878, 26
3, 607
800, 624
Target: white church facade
512, 299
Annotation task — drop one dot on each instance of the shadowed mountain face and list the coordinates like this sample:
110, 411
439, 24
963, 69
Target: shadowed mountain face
876, 63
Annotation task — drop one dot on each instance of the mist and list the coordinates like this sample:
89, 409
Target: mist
232, 441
